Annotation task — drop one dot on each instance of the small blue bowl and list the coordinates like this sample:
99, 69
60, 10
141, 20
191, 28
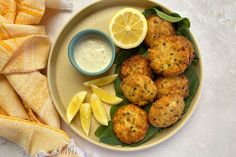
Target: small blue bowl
76, 39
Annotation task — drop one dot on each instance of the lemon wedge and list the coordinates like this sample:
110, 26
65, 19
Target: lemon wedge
98, 109
102, 81
105, 96
85, 117
74, 105
128, 28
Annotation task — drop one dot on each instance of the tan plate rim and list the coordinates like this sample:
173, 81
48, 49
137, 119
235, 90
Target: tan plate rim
143, 146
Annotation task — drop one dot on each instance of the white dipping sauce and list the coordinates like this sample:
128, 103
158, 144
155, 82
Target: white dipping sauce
93, 53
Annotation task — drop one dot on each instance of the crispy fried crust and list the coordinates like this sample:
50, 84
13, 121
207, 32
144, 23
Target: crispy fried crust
157, 27
177, 85
139, 89
171, 55
130, 124
166, 111
136, 65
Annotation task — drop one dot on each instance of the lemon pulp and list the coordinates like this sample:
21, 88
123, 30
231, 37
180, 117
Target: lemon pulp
128, 28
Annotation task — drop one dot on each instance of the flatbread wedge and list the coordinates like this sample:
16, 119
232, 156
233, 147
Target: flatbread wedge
8, 49
2, 20
33, 137
7, 11
8, 31
29, 11
32, 115
24, 54
33, 90
9, 101
2, 112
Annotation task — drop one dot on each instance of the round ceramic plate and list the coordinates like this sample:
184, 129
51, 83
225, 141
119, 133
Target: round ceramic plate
65, 81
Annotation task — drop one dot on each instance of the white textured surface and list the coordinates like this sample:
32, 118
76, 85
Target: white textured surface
212, 129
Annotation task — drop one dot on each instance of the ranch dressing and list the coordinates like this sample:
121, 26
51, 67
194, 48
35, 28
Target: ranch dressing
93, 53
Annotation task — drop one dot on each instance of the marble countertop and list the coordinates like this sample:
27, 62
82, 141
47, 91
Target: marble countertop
211, 131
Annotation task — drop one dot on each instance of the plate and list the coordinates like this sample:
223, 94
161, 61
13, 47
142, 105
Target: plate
65, 81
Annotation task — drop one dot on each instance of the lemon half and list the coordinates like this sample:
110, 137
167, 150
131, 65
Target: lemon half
128, 28
74, 105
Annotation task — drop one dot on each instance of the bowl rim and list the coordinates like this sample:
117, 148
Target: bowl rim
78, 36
141, 147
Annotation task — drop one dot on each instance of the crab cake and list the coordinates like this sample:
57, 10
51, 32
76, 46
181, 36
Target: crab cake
177, 85
157, 27
130, 123
166, 111
139, 89
136, 65
171, 55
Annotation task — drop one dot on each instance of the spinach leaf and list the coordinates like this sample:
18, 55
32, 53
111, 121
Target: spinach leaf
175, 14
167, 17
173, 17
150, 11
108, 135
118, 69
140, 50
111, 140
182, 30
122, 56
125, 54
99, 131
184, 23
145, 54
193, 79
117, 82
118, 89
116, 107
107, 130
195, 60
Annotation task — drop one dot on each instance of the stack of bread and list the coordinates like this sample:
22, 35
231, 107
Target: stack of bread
27, 114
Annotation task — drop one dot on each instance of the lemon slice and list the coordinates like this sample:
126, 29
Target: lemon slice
105, 96
128, 28
102, 81
74, 105
98, 109
85, 117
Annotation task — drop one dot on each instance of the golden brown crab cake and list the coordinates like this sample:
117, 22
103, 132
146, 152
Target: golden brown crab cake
139, 89
171, 55
136, 65
166, 111
157, 27
130, 124
177, 85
